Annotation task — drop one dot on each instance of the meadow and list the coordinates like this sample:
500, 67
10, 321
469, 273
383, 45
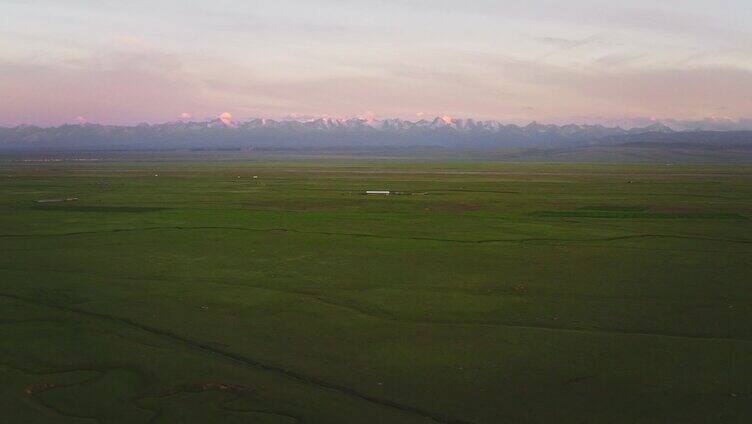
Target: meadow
479, 292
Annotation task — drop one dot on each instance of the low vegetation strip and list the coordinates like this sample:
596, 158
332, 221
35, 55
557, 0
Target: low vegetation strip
610, 214
97, 209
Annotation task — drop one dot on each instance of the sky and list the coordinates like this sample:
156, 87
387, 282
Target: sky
126, 62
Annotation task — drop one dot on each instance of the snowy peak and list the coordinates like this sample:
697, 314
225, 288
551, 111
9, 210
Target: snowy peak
658, 127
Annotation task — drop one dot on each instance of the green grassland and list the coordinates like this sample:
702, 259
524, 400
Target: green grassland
481, 292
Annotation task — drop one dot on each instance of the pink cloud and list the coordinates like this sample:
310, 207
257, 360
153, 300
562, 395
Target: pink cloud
122, 89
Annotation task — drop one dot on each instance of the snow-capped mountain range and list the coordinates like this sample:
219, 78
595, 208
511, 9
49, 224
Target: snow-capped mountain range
438, 123
224, 132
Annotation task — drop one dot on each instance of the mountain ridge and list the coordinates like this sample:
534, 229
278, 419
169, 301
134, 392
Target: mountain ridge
443, 131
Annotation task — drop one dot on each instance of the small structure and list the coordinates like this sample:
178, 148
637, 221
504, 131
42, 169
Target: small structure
382, 192
66, 199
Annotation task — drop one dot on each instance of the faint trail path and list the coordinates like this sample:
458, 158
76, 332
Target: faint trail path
246, 361
378, 236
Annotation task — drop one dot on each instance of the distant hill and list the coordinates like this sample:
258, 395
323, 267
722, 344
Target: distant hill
689, 139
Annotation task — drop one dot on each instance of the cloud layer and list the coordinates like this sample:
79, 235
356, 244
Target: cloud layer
128, 62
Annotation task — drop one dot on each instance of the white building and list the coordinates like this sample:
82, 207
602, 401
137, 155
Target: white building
378, 192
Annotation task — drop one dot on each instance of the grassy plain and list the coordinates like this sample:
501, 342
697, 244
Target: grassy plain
483, 292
